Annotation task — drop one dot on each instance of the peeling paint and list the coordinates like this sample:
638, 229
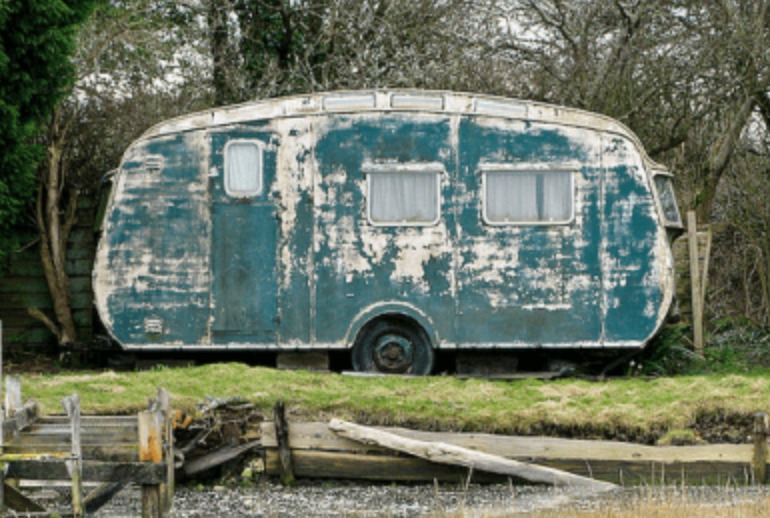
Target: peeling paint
293, 266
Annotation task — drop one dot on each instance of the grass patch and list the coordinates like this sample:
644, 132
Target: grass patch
628, 408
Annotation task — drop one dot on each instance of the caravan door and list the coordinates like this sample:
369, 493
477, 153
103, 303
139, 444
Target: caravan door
244, 306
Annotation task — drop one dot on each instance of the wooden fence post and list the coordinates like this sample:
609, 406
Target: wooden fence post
759, 461
13, 399
167, 489
75, 464
151, 450
282, 437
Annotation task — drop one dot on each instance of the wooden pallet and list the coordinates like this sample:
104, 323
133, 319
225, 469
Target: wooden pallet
113, 451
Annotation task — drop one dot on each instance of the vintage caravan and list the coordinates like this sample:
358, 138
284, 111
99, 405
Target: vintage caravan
391, 223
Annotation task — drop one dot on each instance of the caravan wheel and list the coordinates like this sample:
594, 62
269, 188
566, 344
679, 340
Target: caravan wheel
393, 346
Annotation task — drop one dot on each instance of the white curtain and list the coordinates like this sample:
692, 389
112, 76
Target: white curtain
403, 197
556, 196
244, 168
528, 196
511, 197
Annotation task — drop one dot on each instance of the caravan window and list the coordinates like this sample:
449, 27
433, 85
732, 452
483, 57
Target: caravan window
243, 168
399, 195
513, 196
665, 188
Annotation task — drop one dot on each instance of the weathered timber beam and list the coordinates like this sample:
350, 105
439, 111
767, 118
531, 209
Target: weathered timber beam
75, 463
349, 465
217, 458
93, 471
167, 489
282, 435
20, 420
385, 468
97, 498
16, 500
13, 399
449, 454
759, 459
96, 452
317, 436
151, 452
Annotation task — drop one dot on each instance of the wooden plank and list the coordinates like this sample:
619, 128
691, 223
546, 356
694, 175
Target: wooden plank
75, 464
151, 502
218, 457
759, 459
88, 437
20, 421
282, 437
328, 464
445, 453
304, 436
150, 437
91, 420
108, 453
16, 500
324, 464
93, 471
13, 400
97, 498
151, 451
167, 489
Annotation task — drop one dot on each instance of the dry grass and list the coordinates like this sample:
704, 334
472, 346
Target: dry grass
666, 502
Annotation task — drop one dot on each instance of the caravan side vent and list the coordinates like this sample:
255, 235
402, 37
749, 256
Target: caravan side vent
153, 326
153, 164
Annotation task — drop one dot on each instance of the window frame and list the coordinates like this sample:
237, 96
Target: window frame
659, 198
260, 173
545, 168
428, 168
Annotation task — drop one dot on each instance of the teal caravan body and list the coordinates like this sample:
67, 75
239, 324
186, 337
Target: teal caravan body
391, 223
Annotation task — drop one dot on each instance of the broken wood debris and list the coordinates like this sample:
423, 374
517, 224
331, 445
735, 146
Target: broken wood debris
222, 430
318, 452
445, 453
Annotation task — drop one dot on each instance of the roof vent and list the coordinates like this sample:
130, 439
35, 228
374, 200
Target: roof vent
499, 108
417, 102
343, 102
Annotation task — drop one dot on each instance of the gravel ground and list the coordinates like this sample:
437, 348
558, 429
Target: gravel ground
343, 499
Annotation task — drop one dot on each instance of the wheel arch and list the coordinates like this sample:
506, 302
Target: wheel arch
395, 309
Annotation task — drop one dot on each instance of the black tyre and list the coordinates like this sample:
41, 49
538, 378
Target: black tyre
393, 346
